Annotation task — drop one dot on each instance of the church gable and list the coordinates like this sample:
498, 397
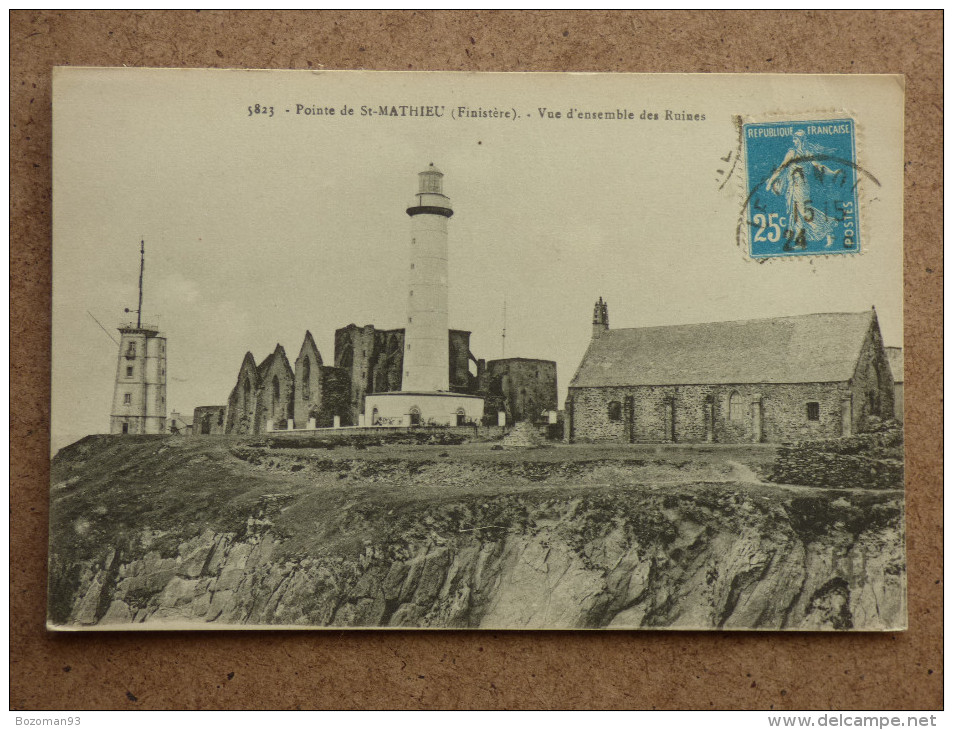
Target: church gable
307, 383
275, 401
243, 398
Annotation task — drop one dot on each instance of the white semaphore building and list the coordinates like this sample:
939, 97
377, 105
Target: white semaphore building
424, 397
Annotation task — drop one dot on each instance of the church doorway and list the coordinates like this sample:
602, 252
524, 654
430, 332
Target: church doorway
206, 424
415, 416
846, 420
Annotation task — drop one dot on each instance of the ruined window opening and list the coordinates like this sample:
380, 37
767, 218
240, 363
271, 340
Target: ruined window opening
221, 417
306, 379
246, 395
813, 411
127, 398
615, 411
275, 395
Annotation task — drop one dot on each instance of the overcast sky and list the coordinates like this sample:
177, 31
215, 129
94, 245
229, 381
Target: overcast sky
258, 228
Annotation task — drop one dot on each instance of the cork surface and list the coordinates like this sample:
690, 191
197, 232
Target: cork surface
476, 670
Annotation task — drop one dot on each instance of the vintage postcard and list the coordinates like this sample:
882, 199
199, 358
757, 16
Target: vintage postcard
446, 350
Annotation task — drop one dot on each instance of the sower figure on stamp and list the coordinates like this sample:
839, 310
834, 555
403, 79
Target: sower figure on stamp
805, 222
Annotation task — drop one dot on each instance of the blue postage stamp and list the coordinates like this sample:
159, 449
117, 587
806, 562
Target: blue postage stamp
802, 188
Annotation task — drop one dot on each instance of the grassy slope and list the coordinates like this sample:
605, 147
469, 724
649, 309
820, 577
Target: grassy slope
107, 491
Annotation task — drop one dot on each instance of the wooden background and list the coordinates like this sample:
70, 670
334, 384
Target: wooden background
377, 669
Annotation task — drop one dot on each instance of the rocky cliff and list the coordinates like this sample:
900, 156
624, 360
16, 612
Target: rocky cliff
213, 534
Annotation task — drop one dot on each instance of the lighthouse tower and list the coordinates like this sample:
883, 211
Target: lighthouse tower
424, 397
139, 393
426, 345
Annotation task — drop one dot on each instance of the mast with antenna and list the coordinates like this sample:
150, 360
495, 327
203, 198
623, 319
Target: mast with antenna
504, 327
142, 268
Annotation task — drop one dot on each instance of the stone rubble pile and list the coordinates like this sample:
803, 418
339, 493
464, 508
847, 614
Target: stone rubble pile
523, 436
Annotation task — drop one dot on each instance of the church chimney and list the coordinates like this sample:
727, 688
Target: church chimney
600, 318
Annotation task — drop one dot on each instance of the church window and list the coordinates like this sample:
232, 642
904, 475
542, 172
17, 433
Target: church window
615, 411
129, 371
127, 398
736, 409
813, 411
275, 394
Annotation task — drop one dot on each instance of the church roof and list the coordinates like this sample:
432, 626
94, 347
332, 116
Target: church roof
811, 348
895, 358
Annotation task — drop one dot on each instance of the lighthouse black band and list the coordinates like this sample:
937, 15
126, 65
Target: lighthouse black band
430, 209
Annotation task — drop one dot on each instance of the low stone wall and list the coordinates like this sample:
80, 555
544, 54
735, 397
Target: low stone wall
367, 436
866, 461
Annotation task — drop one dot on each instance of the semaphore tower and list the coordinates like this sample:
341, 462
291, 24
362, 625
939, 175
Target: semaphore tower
139, 393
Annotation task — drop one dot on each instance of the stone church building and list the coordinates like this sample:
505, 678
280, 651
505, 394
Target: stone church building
762, 380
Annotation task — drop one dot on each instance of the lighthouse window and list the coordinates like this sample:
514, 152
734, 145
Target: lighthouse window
411, 292
410, 319
413, 241
129, 371
127, 398
131, 350
411, 266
